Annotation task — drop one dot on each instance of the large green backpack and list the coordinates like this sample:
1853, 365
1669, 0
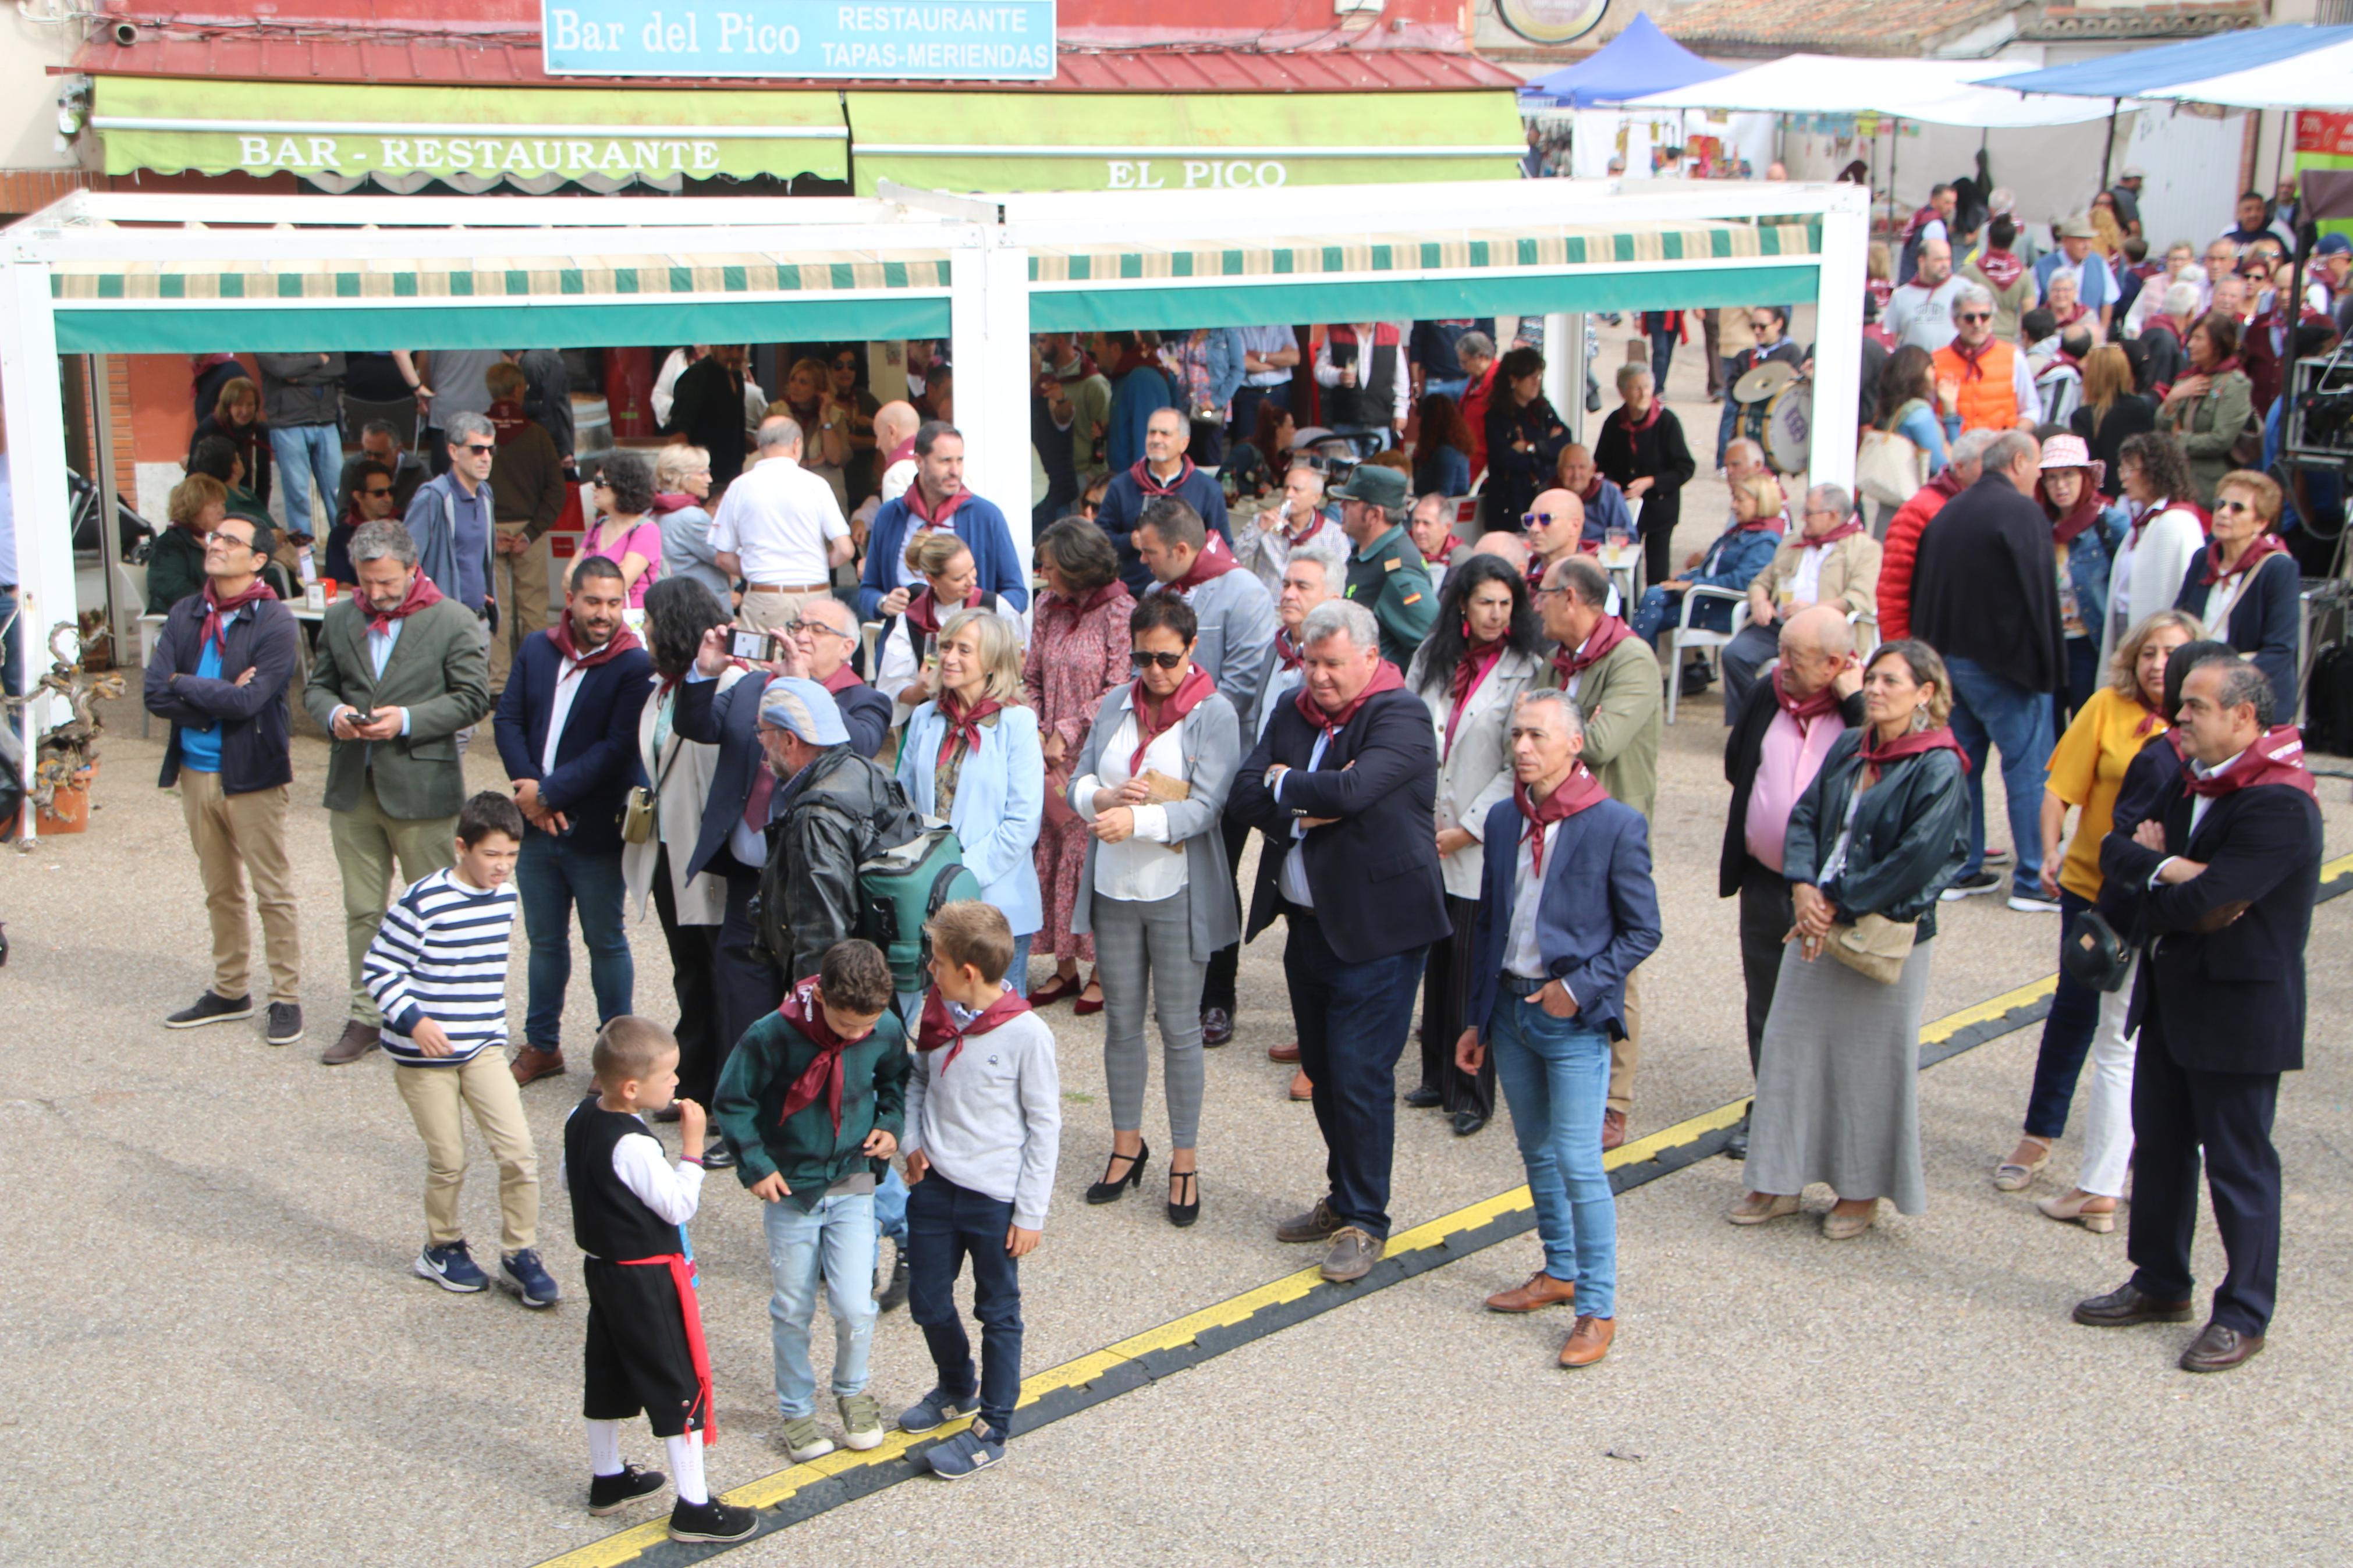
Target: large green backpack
901, 889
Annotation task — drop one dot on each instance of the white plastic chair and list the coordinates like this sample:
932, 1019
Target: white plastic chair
1684, 635
131, 582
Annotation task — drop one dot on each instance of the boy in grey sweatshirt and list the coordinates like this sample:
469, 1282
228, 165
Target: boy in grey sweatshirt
983, 1124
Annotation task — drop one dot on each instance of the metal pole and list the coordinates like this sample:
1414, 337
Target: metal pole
2108, 149
121, 620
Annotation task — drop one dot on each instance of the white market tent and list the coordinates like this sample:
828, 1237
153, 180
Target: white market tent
1935, 92
126, 273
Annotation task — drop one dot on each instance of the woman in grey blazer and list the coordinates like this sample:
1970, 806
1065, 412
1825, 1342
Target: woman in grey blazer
1482, 654
1155, 891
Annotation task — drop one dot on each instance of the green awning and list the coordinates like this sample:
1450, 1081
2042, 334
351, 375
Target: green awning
1007, 142
534, 139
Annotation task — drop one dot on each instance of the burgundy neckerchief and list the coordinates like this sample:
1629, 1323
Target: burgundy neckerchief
2077, 312
1142, 473
1973, 359
962, 723
2276, 758
1446, 548
1578, 792
1876, 756
1852, 526
2263, 543
2221, 368
421, 592
806, 1012
924, 613
1804, 709
933, 519
1573, 662
2150, 718
2161, 322
217, 611
842, 680
620, 642
508, 422
938, 1028
1649, 416
1385, 678
2002, 268
669, 501
900, 454
1288, 652
1153, 720
1478, 661
2085, 512
1214, 561
1086, 603
1315, 524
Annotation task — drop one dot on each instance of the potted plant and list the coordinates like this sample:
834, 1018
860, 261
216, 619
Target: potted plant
66, 758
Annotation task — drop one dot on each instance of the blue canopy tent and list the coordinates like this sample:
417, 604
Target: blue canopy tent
2169, 70
1640, 59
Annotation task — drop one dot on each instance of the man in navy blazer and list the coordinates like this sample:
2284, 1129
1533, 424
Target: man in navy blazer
567, 731
1344, 784
938, 499
2231, 868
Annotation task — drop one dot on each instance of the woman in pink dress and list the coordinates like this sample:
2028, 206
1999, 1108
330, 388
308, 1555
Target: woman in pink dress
624, 533
1078, 652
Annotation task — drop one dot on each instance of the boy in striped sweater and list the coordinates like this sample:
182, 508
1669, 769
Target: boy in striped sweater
438, 970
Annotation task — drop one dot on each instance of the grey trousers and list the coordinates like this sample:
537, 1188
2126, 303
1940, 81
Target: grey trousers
1140, 944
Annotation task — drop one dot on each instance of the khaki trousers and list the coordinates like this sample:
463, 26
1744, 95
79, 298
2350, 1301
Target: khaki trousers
1626, 1055
771, 612
366, 842
437, 1100
236, 835
519, 584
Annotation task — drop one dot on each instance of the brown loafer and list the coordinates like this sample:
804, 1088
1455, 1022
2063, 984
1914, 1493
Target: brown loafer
1300, 1087
2125, 1306
356, 1041
1352, 1255
531, 1063
1541, 1290
1318, 1223
1589, 1341
1613, 1130
1289, 1053
2219, 1349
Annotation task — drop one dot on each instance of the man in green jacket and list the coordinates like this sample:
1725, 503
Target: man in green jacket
1613, 677
1386, 574
398, 671
812, 1102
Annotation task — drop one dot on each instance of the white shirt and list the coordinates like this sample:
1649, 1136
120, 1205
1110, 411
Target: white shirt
2200, 805
1806, 582
1293, 881
665, 391
559, 712
672, 1192
1520, 954
776, 520
1921, 317
1145, 867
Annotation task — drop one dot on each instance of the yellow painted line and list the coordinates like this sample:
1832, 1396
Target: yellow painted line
1952, 1023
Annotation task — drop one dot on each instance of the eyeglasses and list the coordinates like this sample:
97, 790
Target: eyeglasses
1968, 316
2234, 506
374, 494
1545, 592
1535, 519
1143, 660
220, 536
847, 365
797, 625
479, 449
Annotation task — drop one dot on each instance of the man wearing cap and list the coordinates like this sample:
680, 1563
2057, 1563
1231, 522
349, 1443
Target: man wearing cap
1386, 573
2095, 285
2332, 262
2126, 191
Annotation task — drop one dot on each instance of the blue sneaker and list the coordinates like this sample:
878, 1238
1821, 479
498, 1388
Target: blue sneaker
527, 1280
937, 1409
452, 1267
974, 1448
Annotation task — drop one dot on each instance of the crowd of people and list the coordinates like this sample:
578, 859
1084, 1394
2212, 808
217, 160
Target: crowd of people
796, 669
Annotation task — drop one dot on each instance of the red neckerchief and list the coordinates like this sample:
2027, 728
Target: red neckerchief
1289, 653
620, 642
508, 421
2221, 368
900, 453
2150, 718
1852, 525
916, 503
669, 501
842, 680
962, 723
1214, 561
1314, 522
1591, 494
1920, 220
2085, 512
1154, 720
2077, 312
924, 613
2141, 518
1479, 659
1576, 792
1940, 739
2000, 268
1446, 548
2264, 543
1619, 417
1573, 662
421, 592
1973, 359
1804, 709
1385, 678
2276, 758
1142, 473
199, 364
1078, 369
217, 611
938, 1028
1133, 358
806, 1013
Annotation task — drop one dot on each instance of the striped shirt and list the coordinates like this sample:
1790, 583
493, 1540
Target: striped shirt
442, 954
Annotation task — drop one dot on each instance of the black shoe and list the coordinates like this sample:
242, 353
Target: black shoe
285, 1025
1182, 1215
1216, 1028
210, 1008
1422, 1096
2125, 1306
894, 1294
610, 1494
1735, 1147
718, 1157
713, 1521
1696, 677
1108, 1191
1976, 882
1466, 1123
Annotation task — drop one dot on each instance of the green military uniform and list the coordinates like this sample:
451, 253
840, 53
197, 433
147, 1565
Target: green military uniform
1387, 576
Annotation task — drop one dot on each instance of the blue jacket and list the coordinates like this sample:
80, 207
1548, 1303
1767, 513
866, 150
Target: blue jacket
1001, 803
730, 720
1598, 918
2089, 556
257, 743
432, 522
2264, 621
1606, 512
1134, 398
596, 760
977, 522
1735, 558
1123, 506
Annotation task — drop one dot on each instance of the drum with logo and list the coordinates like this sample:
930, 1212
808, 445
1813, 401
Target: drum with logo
1789, 428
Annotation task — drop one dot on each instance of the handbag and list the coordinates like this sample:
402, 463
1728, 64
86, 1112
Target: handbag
1889, 469
637, 816
2094, 955
1873, 947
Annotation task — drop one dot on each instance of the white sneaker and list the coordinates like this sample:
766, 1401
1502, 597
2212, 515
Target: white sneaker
803, 1441
2033, 904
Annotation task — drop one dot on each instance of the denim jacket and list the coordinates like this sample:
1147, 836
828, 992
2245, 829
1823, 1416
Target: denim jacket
2089, 554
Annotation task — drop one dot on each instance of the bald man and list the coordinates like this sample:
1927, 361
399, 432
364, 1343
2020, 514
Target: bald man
1510, 547
1554, 531
895, 425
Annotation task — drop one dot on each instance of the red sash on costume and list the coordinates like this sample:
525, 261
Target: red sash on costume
681, 1274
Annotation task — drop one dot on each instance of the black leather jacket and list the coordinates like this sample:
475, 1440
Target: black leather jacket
843, 810
1911, 833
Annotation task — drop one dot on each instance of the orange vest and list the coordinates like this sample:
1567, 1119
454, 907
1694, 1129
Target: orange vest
1988, 399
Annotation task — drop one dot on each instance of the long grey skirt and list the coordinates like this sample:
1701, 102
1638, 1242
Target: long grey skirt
1838, 1083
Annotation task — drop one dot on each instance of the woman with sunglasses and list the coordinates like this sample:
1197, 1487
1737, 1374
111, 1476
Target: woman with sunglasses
1153, 893
625, 533
2245, 585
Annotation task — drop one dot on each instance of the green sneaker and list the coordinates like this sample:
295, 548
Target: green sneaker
803, 1441
861, 1421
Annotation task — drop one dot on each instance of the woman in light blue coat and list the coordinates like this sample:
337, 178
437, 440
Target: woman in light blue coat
972, 756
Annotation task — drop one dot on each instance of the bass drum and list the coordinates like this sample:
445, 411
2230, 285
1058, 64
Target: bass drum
1789, 434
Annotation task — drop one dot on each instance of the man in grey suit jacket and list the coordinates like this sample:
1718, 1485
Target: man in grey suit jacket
398, 671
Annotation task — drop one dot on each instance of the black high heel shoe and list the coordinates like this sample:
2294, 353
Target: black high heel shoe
1110, 1192
1182, 1215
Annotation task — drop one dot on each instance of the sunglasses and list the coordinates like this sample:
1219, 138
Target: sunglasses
1143, 660
2234, 506
479, 449
374, 494
849, 364
1968, 316
1535, 519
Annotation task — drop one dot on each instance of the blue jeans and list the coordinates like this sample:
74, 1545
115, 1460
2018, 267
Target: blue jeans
1660, 607
12, 640
1018, 971
1352, 1021
1662, 355
1988, 709
1555, 1075
833, 1241
890, 1206
551, 878
2067, 1031
947, 1224
304, 453
1454, 388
